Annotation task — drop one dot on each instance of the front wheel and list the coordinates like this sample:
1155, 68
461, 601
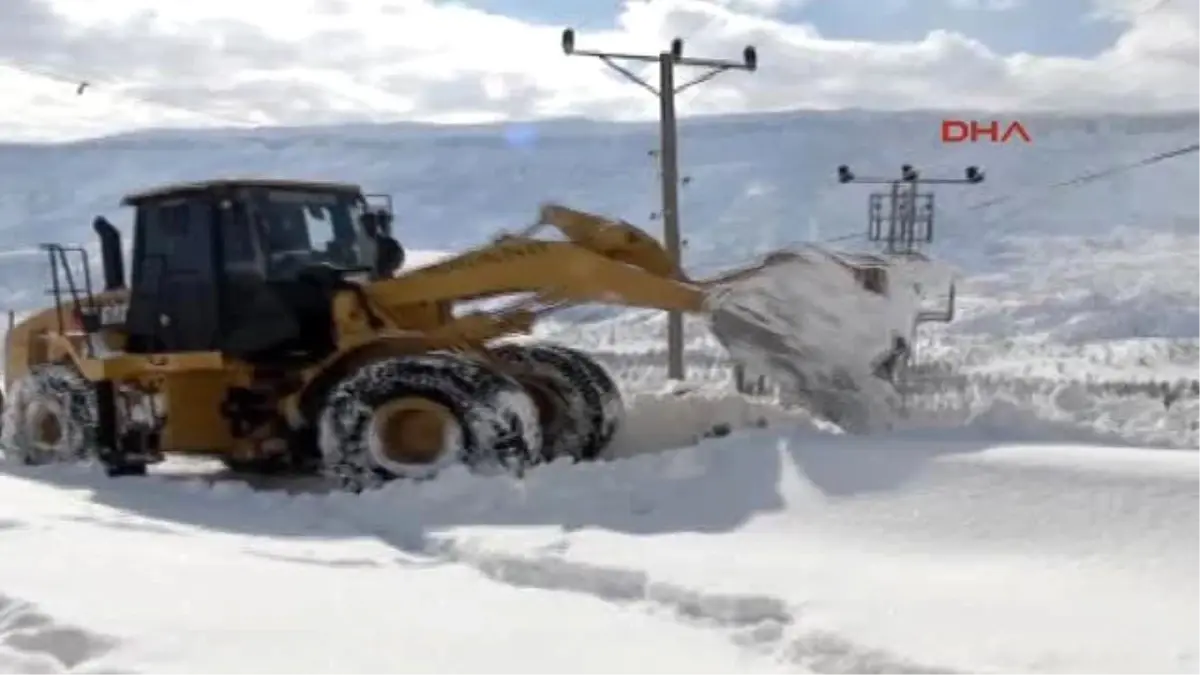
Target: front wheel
412, 416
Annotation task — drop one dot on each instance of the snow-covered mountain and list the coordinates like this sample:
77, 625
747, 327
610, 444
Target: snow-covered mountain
755, 181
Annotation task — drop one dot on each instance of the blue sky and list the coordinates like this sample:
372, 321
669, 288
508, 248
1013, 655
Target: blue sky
1050, 27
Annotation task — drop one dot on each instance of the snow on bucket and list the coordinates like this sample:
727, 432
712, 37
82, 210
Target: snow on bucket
804, 319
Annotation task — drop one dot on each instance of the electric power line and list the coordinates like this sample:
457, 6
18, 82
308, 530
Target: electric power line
1051, 190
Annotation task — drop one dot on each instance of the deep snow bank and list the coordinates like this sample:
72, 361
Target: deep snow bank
924, 551
158, 594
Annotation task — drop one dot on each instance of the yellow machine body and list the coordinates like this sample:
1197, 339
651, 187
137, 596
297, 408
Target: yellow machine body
599, 261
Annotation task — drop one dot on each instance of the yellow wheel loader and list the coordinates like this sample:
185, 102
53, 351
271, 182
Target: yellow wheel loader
271, 324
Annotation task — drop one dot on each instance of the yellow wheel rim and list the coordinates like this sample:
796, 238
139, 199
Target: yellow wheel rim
45, 427
412, 431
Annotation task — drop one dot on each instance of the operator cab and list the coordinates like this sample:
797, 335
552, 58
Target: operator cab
245, 267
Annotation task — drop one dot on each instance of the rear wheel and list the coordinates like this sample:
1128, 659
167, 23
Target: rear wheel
606, 409
580, 404
562, 408
50, 417
410, 417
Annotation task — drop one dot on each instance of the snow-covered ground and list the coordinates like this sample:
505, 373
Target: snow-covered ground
774, 550
1037, 508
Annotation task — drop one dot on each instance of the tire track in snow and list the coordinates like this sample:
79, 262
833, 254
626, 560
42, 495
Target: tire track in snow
764, 616
757, 622
32, 641
824, 652
760, 623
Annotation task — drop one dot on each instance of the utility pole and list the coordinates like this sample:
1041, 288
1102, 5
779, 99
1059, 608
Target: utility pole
684, 181
668, 150
909, 212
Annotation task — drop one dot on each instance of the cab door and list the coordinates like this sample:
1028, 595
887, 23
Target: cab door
173, 305
256, 322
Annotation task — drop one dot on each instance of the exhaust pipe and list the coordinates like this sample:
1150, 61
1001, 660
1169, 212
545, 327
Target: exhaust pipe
110, 253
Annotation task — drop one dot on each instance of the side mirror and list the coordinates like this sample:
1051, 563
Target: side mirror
370, 224
389, 256
385, 221
376, 223
111, 256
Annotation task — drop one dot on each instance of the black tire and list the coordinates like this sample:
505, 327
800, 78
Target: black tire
567, 426
301, 459
497, 420
275, 465
60, 391
603, 410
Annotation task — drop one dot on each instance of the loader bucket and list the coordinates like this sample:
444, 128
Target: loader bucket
803, 319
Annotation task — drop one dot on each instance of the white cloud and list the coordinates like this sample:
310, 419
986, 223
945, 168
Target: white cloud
259, 61
987, 5
767, 7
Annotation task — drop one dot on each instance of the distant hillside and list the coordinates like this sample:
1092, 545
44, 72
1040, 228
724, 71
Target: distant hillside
754, 181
